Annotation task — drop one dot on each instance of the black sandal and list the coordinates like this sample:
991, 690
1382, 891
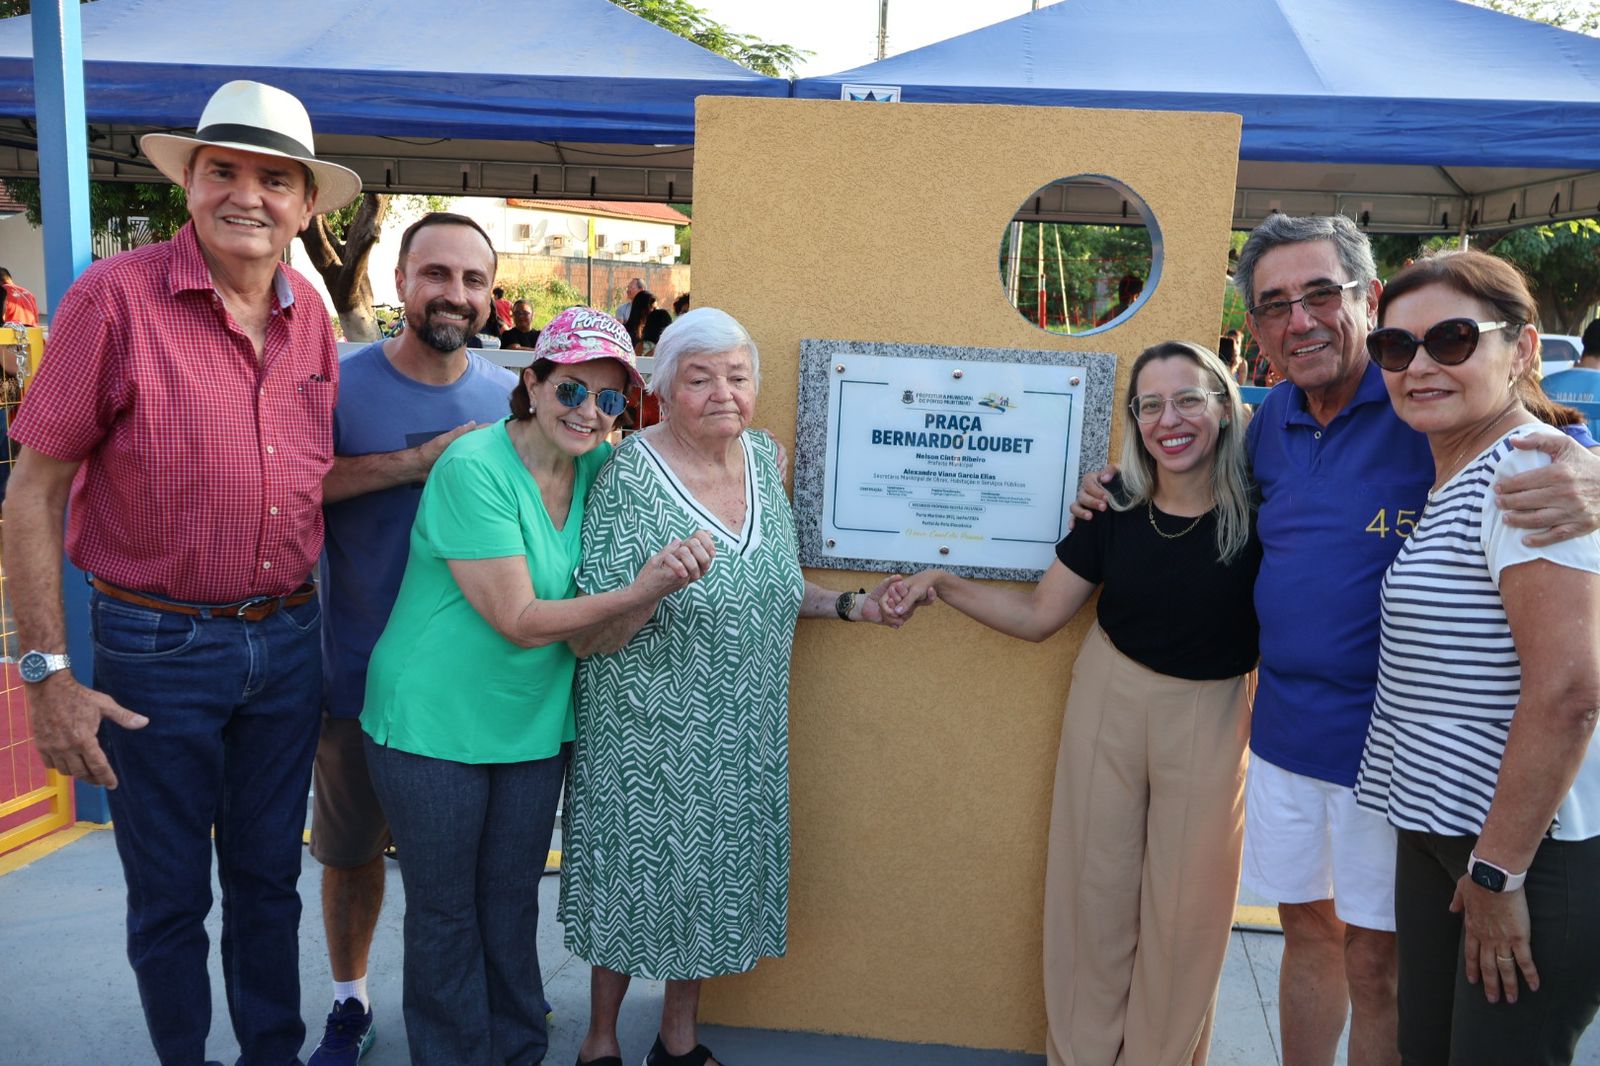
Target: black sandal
604, 1060
698, 1057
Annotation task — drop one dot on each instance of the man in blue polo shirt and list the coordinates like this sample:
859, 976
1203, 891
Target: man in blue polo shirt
400, 403
1343, 482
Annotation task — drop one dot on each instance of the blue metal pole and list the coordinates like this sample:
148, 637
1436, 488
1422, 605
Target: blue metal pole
63, 141
64, 204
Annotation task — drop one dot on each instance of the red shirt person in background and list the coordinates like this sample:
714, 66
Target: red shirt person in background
186, 407
20, 306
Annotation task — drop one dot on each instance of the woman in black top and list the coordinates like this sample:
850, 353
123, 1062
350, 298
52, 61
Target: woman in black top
643, 304
1148, 814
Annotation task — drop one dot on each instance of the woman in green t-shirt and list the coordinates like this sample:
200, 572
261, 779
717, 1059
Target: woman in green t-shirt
469, 691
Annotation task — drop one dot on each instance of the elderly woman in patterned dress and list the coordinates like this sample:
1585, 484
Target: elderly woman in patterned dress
676, 845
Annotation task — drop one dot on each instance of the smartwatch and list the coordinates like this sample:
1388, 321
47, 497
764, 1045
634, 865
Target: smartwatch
1487, 875
35, 666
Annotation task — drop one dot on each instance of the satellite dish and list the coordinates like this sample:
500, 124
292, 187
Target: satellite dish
538, 231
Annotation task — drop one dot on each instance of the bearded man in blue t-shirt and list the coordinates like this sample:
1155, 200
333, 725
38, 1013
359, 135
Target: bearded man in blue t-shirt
401, 401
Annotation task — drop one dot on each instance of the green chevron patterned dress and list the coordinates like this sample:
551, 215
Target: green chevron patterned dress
675, 860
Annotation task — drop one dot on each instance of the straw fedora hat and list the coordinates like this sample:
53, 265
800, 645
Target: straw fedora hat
253, 117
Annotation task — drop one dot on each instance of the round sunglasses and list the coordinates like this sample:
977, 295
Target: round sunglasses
608, 402
1449, 343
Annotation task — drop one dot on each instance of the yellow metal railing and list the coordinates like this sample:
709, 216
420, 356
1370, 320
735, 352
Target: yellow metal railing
54, 804
33, 801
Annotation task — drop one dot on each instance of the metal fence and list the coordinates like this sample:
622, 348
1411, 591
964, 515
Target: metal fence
33, 801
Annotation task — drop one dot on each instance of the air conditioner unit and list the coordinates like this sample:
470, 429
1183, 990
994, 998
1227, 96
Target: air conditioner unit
557, 243
667, 251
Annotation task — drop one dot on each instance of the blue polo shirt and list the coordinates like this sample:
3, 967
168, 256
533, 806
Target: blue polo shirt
1336, 504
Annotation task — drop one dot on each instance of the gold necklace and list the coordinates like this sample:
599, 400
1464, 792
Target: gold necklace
1150, 513
1463, 450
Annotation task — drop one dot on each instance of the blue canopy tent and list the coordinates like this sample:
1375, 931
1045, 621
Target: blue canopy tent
1422, 115
500, 97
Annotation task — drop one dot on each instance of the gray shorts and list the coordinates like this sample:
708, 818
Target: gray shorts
348, 827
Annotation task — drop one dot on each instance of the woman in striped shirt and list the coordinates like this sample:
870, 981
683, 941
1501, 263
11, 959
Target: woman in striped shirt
1481, 746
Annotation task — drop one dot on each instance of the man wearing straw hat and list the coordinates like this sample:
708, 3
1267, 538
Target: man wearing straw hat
185, 406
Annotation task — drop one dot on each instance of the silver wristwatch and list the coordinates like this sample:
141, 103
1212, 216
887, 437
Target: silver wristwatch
35, 666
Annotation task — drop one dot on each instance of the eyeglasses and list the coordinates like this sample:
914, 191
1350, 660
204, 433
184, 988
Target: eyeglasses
1449, 343
610, 402
1187, 402
1319, 299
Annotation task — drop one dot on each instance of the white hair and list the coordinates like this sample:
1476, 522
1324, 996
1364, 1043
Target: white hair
703, 331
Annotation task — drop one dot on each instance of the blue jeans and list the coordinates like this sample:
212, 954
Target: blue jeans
234, 710
472, 840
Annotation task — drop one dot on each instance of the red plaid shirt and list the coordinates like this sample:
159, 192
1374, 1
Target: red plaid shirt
202, 469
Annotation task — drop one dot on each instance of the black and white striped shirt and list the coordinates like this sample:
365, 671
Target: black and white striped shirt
1448, 674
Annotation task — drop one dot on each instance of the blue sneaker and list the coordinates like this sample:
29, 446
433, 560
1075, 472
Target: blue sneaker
349, 1034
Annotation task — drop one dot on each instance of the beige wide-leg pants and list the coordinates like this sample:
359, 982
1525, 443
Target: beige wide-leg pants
1143, 869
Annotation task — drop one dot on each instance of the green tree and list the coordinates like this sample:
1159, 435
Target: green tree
681, 235
13, 8
548, 296
1082, 266
1562, 262
112, 205
1580, 16
686, 20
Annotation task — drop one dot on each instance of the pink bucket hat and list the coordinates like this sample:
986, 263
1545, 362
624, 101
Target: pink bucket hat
582, 334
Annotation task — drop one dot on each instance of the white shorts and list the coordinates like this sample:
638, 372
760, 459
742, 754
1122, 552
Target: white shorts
1306, 840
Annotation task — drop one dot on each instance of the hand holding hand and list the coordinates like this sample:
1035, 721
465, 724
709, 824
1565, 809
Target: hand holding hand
66, 722
874, 607
677, 565
1495, 936
1560, 501
1092, 494
903, 595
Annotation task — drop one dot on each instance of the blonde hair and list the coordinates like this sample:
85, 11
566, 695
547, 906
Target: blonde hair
1230, 475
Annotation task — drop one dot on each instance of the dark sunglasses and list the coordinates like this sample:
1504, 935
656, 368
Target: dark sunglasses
609, 402
1449, 343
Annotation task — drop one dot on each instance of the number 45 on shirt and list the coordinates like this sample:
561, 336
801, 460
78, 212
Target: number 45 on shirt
1404, 522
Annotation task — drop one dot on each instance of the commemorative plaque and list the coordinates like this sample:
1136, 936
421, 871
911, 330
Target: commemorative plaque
912, 456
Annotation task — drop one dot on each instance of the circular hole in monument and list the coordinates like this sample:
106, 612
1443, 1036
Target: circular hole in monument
1080, 255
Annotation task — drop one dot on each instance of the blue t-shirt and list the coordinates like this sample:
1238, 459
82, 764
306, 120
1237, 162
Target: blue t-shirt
1577, 385
367, 539
1336, 504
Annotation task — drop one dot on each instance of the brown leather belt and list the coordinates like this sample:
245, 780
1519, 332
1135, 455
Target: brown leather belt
253, 610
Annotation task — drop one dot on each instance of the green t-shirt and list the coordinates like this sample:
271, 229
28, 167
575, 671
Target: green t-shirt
442, 681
